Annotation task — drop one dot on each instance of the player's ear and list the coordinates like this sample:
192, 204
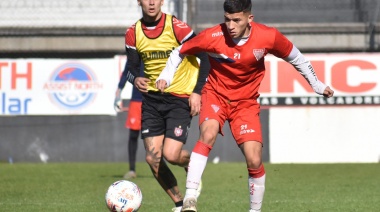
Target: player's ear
250, 18
138, 2
162, 2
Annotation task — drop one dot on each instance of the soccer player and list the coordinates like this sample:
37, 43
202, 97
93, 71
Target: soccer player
166, 114
236, 50
133, 121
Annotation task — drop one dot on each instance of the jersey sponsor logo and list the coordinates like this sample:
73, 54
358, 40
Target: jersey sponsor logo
178, 131
72, 86
216, 34
244, 129
259, 53
221, 58
154, 55
215, 108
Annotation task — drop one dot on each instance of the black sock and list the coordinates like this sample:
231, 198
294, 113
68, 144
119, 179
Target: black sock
132, 148
179, 204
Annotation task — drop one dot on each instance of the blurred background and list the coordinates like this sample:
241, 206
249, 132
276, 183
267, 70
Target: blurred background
60, 62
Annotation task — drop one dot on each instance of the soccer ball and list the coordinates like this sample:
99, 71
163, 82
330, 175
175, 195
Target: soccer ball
123, 196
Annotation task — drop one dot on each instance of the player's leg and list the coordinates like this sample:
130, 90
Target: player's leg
252, 151
160, 170
198, 160
211, 119
174, 154
177, 122
132, 150
246, 129
153, 131
133, 123
199, 156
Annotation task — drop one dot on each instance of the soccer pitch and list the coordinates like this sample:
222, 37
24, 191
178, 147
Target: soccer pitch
289, 187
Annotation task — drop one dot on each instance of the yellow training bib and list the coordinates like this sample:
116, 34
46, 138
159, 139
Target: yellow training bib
156, 51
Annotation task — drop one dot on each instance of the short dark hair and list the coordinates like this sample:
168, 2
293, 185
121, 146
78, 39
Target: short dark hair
237, 6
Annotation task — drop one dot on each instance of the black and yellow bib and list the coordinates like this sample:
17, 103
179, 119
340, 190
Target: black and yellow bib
156, 51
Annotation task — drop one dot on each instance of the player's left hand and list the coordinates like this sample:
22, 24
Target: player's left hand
161, 85
195, 104
328, 92
118, 103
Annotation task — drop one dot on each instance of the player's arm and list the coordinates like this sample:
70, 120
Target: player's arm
123, 80
195, 96
133, 74
132, 68
304, 67
167, 74
133, 62
204, 69
193, 46
285, 49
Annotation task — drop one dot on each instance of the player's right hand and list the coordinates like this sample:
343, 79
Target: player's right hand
161, 85
328, 92
141, 83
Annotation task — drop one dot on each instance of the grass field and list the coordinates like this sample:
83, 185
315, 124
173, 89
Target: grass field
289, 188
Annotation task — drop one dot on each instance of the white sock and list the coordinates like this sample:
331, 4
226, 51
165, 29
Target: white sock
197, 166
256, 188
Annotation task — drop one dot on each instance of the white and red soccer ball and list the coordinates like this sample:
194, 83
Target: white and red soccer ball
123, 196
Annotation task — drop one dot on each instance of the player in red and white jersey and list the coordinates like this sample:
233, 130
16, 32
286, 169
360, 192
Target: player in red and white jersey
236, 50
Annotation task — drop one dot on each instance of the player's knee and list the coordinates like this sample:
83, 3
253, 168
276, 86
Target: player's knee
255, 162
172, 159
151, 161
208, 137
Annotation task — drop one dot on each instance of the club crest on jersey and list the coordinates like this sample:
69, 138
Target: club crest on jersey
215, 108
178, 131
259, 53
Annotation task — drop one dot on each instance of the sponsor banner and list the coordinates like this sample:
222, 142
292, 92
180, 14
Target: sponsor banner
87, 86
57, 86
317, 100
355, 78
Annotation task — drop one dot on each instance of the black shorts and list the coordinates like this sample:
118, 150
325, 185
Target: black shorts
165, 114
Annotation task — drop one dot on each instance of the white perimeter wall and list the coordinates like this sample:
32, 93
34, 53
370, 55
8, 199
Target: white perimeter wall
339, 134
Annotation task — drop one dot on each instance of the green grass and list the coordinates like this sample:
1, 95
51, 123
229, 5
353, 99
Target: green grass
289, 188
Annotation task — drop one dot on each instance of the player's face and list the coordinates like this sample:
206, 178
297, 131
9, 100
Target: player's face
151, 9
238, 24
